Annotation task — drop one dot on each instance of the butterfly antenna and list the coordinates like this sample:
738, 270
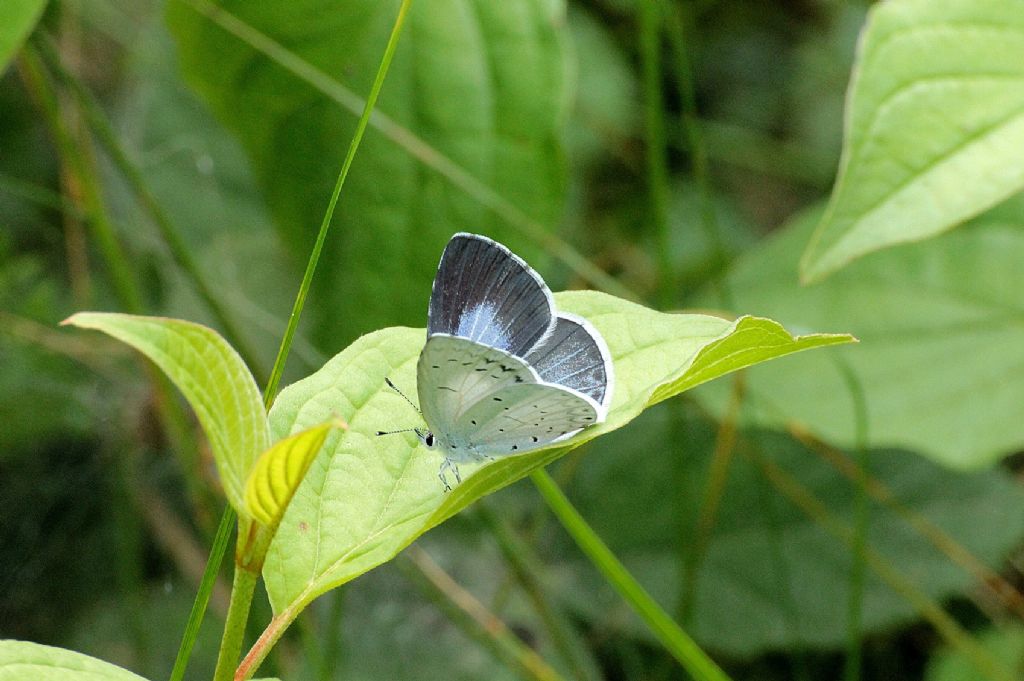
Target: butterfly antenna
395, 432
395, 388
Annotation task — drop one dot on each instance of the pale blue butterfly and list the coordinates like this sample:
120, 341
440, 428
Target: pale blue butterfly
502, 372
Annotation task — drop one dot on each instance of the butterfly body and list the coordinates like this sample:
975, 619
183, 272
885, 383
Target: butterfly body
502, 372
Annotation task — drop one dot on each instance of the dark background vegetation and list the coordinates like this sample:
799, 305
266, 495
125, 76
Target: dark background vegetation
107, 515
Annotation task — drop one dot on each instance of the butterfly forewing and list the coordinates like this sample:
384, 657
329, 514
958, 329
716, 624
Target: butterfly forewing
525, 416
485, 293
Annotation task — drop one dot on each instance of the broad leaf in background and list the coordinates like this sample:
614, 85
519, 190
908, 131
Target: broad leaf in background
212, 377
502, 63
772, 577
366, 497
941, 358
17, 19
935, 124
21, 660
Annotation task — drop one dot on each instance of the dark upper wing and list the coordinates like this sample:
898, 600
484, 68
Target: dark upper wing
575, 355
486, 293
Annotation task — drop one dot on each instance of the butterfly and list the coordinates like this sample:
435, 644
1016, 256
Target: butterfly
502, 371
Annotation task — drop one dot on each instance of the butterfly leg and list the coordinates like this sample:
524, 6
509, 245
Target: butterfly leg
441, 474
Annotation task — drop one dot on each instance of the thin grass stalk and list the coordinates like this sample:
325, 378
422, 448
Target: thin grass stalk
314, 258
415, 146
273, 632
38, 194
676, 28
656, 158
858, 568
473, 618
202, 600
526, 571
714, 489
676, 641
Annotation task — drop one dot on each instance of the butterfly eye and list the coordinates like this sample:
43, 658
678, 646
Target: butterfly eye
429, 440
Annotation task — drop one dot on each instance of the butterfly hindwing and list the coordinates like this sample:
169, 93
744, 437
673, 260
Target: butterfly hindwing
525, 416
485, 293
575, 355
455, 373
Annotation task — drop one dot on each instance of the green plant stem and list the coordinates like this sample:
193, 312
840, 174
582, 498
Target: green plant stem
307, 279
170, 234
654, 128
242, 588
202, 600
669, 633
417, 147
277, 625
858, 547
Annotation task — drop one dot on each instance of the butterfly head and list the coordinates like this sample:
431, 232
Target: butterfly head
426, 437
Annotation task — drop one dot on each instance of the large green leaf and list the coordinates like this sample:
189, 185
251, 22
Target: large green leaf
935, 124
21, 660
942, 343
213, 379
17, 19
479, 81
772, 577
366, 497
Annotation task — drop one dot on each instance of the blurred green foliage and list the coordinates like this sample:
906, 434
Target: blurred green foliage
540, 104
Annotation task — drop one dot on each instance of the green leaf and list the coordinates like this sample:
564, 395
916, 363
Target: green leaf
774, 578
503, 64
1006, 645
17, 19
213, 379
935, 124
941, 358
280, 469
368, 497
21, 660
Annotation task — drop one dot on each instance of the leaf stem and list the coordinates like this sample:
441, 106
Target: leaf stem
307, 279
669, 633
242, 588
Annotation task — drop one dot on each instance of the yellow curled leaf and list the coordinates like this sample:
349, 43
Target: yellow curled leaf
280, 469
